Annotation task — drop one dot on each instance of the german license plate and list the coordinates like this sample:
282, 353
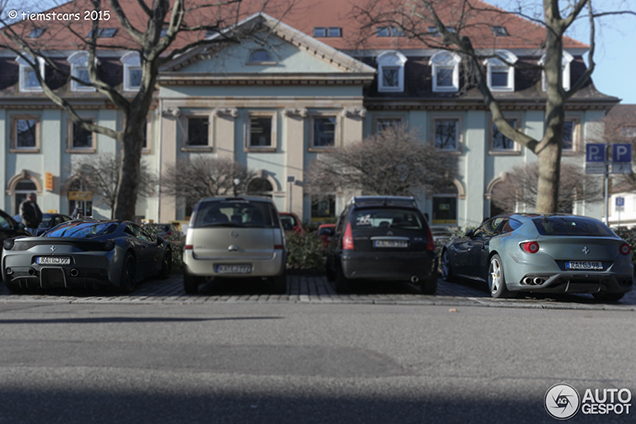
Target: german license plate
583, 265
53, 260
390, 243
234, 269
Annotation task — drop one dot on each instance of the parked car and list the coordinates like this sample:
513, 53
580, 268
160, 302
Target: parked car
10, 228
542, 253
442, 235
326, 232
291, 222
49, 220
235, 237
85, 253
168, 232
382, 238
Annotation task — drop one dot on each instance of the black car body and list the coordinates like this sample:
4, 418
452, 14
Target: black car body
382, 238
9, 228
89, 253
49, 220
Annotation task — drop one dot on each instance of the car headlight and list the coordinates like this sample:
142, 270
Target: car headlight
8, 244
108, 245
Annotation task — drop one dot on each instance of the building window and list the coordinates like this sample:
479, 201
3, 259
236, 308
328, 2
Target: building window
389, 32
628, 131
25, 133
334, 32
198, 130
499, 31
445, 71
571, 130
320, 32
260, 187
502, 144
323, 208
565, 65
433, 31
103, 32
261, 131
36, 32
132, 71
29, 81
79, 70
445, 209
382, 123
447, 133
80, 139
391, 71
501, 76
260, 56
323, 131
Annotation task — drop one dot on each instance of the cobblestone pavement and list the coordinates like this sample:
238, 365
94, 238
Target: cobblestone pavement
314, 288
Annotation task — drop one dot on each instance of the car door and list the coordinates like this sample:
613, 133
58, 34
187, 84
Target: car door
144, 250
477, 248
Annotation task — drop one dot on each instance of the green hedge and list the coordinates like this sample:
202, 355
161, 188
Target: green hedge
304, 252
629, 235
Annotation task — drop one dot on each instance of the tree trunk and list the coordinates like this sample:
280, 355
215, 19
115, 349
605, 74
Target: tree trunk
129, 174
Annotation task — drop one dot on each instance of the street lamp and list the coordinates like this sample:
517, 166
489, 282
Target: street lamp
236, 182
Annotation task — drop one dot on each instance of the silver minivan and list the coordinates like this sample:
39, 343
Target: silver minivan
235, 237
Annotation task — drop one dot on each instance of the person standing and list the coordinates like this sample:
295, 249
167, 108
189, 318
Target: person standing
30, 213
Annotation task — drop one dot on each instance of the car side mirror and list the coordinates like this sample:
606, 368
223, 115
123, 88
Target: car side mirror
470, 233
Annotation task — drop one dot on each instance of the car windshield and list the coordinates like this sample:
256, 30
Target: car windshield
234, 214
82, 229
571, 226
385, 218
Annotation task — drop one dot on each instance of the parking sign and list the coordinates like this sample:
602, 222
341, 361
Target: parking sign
595, 152
621, 152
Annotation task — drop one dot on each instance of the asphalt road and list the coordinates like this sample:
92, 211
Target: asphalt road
294, 362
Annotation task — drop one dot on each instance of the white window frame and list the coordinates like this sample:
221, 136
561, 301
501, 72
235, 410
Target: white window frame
79, 62
576, 135
25, 68
249, 147
565, 65
501, 62
458, 131
185, 142
336, 137
445, 60
391, 59
131, 62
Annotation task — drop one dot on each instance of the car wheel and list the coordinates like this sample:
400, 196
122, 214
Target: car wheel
166, 264
429, 285
191, 283
608, 297
446, 268
497, 279
127, 282
279, 284
343, 284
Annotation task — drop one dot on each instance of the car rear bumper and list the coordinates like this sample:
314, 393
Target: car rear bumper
261, 267
97, 272
575, 282
389, 265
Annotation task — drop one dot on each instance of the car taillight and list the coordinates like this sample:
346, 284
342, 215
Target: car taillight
278, 247
626, 249
347, 239
430, 243
531, 247
188, 247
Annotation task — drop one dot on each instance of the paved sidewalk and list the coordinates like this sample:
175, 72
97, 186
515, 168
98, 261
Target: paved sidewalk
314, 288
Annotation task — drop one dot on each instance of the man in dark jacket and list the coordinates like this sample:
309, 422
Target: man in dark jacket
30, 213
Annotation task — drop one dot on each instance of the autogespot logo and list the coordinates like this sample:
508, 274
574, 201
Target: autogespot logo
562, 401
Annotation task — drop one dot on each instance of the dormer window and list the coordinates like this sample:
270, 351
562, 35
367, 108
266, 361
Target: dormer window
389, 32
332, 32
28, 78
132, 71
565, 65
499, 31
36, 32
259, 57
501, 75
103, 33
433, 31
391, 72
445, 71
79, 69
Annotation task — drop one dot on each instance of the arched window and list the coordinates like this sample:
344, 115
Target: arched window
28, 78
445, 71
260, 186
260, 56
501, 75
565, 65
132, 71
391, 71
79, 69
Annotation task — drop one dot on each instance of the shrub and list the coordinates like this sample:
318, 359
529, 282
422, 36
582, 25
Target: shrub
304, 252
629, 235
176, 245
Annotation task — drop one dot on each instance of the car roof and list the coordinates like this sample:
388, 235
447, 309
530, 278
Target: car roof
383, 201
237, 198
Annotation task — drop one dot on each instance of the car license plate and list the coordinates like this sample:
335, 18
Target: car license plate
53, 260
234, 269
583, 265
390, 243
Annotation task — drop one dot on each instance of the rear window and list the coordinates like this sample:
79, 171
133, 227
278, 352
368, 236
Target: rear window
234, 214
571, 226
386, 218
82, 229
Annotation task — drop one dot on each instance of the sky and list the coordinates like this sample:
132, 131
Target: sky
615, 54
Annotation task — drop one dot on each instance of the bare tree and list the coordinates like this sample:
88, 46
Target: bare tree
619, 126
520, 187
461, 23
100, 174
393, 162
158, 30
193, 180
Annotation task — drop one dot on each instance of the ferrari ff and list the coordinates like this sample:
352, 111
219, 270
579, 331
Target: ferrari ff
95, 253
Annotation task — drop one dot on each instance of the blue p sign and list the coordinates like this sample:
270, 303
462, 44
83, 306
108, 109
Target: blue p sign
595, 153
621, 152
